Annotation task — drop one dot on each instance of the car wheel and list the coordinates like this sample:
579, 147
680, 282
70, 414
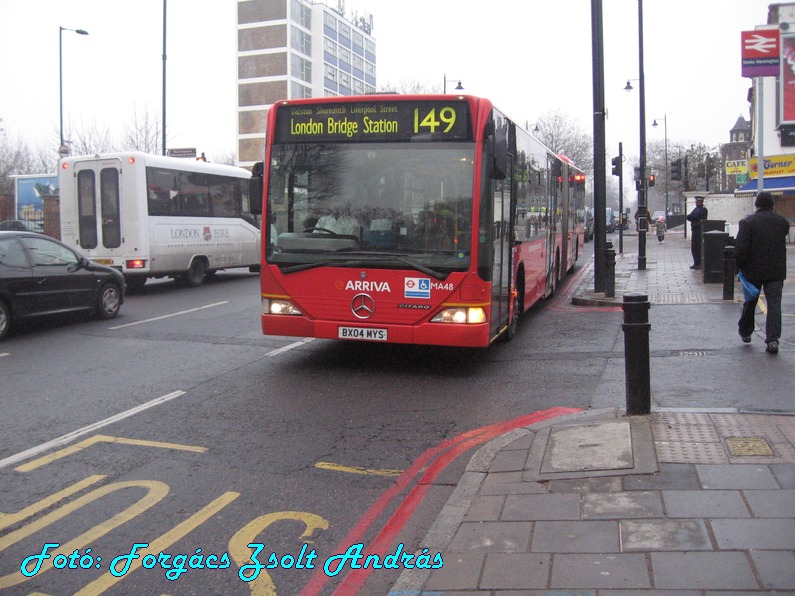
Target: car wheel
108, 301
5, 319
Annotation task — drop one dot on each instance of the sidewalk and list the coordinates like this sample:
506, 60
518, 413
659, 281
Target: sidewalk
683, 501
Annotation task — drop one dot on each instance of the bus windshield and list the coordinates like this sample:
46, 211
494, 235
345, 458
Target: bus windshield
395, 205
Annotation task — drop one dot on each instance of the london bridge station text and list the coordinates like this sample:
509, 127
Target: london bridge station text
344, 126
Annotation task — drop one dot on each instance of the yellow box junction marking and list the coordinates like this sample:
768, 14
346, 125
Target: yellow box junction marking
356, 469
155, 492
9, 519
61, 453
241, 554
161, 543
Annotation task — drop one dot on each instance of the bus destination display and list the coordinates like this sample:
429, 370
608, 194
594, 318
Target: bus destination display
373, 121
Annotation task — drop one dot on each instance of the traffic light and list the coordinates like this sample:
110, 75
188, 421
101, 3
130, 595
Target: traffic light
651, 180
676, 169
617, 166
710, 164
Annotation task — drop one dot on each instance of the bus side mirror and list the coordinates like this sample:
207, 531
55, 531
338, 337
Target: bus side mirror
255, 188
497, 157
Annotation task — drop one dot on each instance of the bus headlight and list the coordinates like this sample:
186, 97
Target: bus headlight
469, 315
279, 307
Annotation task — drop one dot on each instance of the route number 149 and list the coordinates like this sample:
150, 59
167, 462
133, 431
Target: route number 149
429, 122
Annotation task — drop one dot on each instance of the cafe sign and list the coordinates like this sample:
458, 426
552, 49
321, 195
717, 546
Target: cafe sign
734, 167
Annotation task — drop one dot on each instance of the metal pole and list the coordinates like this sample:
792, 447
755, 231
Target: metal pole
642, 199
621, 200
729, 263
60, 71
600, 182
164, 77
667, 167
637, 369
610, 271
60, 76
760, 154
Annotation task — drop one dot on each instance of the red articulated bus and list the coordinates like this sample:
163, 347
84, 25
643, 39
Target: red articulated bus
416, 219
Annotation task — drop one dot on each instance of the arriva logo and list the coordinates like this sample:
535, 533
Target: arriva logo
368, 286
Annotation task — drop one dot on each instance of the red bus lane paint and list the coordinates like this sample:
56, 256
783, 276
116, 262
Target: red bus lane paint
424, 470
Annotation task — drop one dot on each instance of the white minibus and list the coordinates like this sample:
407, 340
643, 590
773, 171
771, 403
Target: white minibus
156, 216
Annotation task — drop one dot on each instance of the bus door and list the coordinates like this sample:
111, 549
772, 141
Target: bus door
565, 228
98, 205
503, 250
552, 223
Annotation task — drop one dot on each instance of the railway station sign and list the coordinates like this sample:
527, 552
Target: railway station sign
761, 53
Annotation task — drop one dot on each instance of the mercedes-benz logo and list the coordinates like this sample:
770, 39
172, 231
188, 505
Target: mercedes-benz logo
362, 306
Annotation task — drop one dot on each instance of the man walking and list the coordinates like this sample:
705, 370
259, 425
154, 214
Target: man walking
695, 217
761, 252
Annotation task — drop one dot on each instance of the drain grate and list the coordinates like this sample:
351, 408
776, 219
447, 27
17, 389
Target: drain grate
743, 446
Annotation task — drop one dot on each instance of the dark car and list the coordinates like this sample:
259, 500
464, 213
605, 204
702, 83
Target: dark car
40, 276
13, 224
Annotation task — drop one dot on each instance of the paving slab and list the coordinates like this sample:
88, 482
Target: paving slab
600, 571
664, 535
706, 571
703, 504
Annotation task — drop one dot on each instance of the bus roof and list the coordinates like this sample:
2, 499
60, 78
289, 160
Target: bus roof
161, 161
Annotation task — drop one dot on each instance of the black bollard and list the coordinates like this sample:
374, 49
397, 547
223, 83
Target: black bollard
610, 271
728, 272
636, 353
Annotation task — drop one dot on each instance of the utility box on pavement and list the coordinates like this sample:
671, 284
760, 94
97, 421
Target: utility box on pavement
712, 245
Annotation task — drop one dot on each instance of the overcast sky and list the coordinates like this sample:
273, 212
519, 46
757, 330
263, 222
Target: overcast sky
530, 57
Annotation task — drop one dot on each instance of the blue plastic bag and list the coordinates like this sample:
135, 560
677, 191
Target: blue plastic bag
750, 291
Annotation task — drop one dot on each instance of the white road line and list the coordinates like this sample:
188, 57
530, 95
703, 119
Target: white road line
175, 314
5, 354
289, 347
67, 438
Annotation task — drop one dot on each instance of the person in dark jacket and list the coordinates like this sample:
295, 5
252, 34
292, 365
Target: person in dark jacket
695, 217
761, 253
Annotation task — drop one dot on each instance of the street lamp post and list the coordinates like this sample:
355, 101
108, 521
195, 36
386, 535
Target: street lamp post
60, 72
458, 87
667, 169
643, 183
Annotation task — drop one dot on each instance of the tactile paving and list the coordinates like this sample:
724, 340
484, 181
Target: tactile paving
699, 433
678, 298
681, 452
680, 418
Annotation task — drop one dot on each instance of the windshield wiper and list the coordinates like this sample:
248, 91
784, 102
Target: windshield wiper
400, 258
363, 259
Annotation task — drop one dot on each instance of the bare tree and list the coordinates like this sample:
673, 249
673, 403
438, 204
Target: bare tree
408, 87
143, 133
565, 136
88, 140
16, 159
227, 158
